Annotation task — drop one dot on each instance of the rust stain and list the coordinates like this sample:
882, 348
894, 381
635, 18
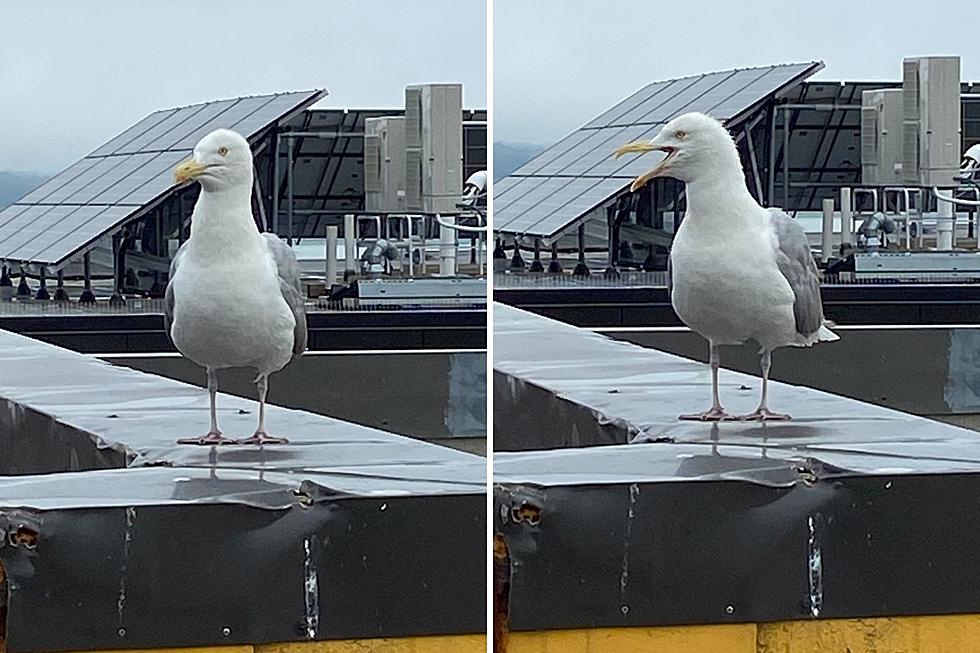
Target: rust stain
526, 512
501, 593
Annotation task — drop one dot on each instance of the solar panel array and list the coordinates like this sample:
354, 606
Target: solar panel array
579, 173
95, 195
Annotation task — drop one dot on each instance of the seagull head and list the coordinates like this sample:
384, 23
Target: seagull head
694, 144
222, 160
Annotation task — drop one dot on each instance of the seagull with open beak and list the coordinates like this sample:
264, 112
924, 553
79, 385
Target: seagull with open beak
736, 271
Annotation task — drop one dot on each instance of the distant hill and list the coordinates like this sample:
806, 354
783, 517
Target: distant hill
508, 157
14, 185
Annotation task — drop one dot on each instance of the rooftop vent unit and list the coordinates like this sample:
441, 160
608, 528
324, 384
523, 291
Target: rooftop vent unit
434, 147
931, 120
882, 112
384, 164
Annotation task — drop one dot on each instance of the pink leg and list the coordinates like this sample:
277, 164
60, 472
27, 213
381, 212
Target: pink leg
260, 436
716, 413
762, 413
214, 436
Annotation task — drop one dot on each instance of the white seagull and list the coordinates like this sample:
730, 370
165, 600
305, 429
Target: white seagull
736, 271
234, 298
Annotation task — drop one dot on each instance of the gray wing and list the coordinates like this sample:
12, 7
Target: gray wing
798, 267
291, 287
168, 299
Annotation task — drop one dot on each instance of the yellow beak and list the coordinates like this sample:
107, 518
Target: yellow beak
635, 146
189, 169
642, 147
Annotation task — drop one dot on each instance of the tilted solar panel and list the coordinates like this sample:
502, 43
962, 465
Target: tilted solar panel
578, 173
97, 194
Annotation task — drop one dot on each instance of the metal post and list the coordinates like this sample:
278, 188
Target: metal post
772, 157
554, 267
536, 265
785, 159
350, 246
581, 268
275, 186
42, 291
827, 235
481, 240
447, 249
331, 255
60, 294
846, 218
87, 296
289, 191
410, 247
613, 245
945, 222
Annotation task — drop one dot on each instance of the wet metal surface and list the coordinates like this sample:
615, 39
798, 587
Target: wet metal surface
622, 515
419, 393
922, 370
142, 543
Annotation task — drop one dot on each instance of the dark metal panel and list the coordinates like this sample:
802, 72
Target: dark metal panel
167, 126
210, 114
30, 223
105, 171
647, 96
58, 243
587, 153
41, 193
143, 181
59, 220
136, 130
105, 184
535, 165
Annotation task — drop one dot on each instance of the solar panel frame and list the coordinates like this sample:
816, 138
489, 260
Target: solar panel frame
127, 175
554, 189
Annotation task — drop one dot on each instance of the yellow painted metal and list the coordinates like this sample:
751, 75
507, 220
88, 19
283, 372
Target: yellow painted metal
433, 644
938, 634
735, 638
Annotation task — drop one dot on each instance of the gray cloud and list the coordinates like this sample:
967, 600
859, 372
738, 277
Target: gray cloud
73, 74
558, 63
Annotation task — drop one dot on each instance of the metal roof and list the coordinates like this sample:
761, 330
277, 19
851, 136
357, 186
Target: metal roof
577, 174
127, 175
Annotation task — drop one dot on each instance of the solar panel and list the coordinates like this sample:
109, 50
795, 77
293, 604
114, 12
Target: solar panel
578, 173
95, 195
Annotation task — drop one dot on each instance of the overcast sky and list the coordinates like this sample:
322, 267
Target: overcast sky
73, 74
559, 63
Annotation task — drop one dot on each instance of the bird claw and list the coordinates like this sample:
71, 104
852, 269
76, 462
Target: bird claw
765, 415
212, 438
261, 437
711, 415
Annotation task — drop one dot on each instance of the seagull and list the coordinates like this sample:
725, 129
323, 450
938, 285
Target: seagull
737, 271
234, 298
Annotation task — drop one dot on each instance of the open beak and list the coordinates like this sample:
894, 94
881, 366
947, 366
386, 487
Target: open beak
643, 147
189, 169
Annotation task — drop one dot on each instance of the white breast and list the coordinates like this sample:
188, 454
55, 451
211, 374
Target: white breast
730, 290
232, 314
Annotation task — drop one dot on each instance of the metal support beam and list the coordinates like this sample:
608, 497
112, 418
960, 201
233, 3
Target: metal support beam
274, 198
289, 191
785, 159
755, 167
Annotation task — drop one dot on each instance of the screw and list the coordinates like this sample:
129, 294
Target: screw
226, 631
730, 609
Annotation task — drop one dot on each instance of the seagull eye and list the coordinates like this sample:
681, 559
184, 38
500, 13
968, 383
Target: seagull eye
223, 151
680, 135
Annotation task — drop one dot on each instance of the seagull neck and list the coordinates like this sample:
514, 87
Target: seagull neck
222, 223
705, 195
